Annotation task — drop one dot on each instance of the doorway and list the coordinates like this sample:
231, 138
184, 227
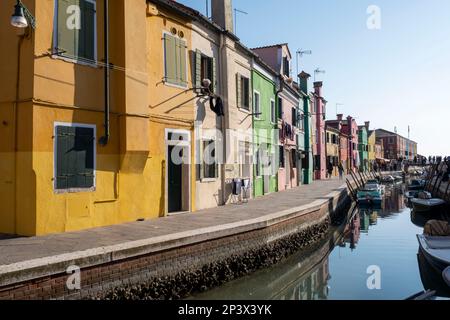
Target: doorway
178, 171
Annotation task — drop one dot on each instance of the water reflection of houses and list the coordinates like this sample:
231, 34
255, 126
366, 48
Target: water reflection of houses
352, 232
393, 202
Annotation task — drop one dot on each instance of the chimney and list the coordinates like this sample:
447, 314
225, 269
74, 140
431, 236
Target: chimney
222, 14
318, 88
340, 117
304, 81
367, 124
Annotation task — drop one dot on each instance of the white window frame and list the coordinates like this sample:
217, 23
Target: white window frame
55, 54
164, 61
257, 108
55, 153
202, 147
273, 111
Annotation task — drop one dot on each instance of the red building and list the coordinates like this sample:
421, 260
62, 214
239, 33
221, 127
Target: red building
349, 140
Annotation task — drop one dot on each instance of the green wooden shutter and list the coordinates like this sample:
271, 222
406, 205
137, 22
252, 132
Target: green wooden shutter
84, 153
214, 75
181, 49
170, 59
67, 40
61, 162
74, 158
86, 48
198, 69
238, 90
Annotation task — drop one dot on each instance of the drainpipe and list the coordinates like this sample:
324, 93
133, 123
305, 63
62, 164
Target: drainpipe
15, 123
223, 71
105, 139
281, 111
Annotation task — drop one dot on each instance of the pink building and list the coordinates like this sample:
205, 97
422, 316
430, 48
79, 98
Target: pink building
319, 141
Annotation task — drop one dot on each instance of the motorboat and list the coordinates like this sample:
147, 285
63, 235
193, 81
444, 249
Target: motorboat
418, 195
387, 179
416, 185
427, 205
432, 280
446, 276
436, 251
371, 184
370, 195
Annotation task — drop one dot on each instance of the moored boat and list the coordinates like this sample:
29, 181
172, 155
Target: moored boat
418, 195
446, 276
387, 179
436, 251
427, 205
371, 195
416, 185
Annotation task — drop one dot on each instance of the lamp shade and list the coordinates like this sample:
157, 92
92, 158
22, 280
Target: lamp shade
18, 19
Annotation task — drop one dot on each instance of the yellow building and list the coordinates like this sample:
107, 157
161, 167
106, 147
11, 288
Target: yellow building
55, 174
332, 149
371, 142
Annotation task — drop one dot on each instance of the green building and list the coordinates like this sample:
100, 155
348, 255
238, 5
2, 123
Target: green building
307, 156
363, 148
265, 133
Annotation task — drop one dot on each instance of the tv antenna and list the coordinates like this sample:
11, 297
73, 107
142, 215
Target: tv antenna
318, 71
300, 53
236, 11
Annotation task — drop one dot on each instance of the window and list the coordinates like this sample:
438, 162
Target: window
273, 112
258, 163
328, 138
294, 159
205, 68
257, 105
75, 149
294, 117
391, 140
175, 67
280, 108
300, 123
209, 162
243, 92
281, 151
317, 165
286, 67
79, 42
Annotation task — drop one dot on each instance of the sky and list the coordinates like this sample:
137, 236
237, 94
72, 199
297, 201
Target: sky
395, 76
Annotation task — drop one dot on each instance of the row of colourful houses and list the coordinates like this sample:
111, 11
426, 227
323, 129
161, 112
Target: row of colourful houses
143, 109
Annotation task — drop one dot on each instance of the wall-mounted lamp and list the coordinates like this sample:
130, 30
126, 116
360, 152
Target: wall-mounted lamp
22, 17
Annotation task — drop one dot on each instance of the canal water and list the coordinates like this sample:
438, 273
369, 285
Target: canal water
368, 243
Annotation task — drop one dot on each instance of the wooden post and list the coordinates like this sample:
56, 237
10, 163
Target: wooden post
436, 182
352, 191
362, 179
355, 179
446, 195
438, 191
430, 178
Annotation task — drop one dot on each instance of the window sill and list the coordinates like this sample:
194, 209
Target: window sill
244, 110
208, 180
173, 85
75, 190
75, 61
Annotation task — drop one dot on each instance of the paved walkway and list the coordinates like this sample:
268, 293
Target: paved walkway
13, 251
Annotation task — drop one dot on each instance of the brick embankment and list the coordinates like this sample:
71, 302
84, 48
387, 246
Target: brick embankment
174, 265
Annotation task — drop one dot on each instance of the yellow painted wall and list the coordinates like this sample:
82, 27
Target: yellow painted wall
170, 107
130, 178
371, 143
